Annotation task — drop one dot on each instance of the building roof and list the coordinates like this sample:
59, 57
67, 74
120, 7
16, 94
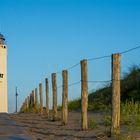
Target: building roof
2, 39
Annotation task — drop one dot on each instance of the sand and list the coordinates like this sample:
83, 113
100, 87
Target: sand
41, 128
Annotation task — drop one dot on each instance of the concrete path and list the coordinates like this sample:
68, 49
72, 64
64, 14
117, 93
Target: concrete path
9, 130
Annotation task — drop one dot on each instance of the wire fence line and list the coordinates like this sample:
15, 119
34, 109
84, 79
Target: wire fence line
80, 81
99, 81
71, 84
73, 66
94, 59
130, 50
89, 60
97, 58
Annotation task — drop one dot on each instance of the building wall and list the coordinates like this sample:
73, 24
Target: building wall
3, 80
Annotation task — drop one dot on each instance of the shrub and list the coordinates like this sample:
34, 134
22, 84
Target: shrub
74, 105
107, 120
92, 124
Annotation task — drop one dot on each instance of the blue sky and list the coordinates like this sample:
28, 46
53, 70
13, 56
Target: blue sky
45, 36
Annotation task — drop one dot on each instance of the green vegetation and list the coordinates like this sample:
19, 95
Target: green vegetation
107, 120
129, 109
74, 105
100, 100
130, 115
31, 109
132, 129
92, 124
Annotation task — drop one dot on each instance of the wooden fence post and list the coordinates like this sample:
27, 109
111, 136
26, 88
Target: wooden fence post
23, 107
41, 98
84, 94
27, 107
30, 100
47, 97
65, 98
36, 98
33, 98
54, 90
115, 128
26, 104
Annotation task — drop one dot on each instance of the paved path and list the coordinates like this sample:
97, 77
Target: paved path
9, 130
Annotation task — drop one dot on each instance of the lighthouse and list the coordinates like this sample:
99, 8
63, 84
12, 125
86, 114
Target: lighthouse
3, 76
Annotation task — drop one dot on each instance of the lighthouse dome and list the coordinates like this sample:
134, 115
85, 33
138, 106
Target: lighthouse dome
2, 39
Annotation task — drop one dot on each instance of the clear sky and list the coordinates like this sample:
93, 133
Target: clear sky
45, 36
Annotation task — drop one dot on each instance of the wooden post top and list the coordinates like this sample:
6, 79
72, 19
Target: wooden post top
116, 55
84, 60
65, 71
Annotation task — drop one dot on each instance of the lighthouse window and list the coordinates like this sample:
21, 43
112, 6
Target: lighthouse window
1, 75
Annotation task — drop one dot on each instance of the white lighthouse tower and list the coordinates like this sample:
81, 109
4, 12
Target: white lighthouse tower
3, 76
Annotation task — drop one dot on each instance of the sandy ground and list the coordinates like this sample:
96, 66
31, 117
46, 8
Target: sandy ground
41, 128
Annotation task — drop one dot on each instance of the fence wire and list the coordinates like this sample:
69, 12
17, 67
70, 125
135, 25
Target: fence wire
70, 85
94, 59
130, 50
90, 59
